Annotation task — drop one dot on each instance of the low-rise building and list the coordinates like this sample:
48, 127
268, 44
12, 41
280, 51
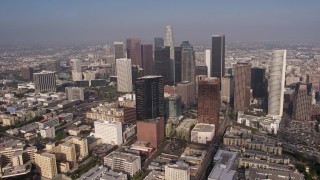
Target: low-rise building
194, 157
180, 170
225, 166
255, 173
267, 123
263, 164
103, 150
125, 162
155, 175
10, 147
12, 172
49, 122
29, 127
9, 119
30, 136
69, 151
93, 142
75, 93
124, 111
66, 116
111, 175
202, 133
242, 138
102, 173
291, 80
129, 130
260, 155
68, 104
184, 129
81, 145
48, 132
76, 131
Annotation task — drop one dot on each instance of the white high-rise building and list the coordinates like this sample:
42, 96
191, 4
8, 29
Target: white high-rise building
109, 132
44, 81
277, 82
124, 75
208, 61
169, 40
76, 69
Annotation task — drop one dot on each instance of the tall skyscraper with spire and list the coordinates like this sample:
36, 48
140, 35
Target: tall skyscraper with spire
276, 82
169, 41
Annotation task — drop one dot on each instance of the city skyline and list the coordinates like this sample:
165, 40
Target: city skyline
38, 22
160, 90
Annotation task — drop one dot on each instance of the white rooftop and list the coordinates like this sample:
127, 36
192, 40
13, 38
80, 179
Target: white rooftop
224, 169
201, 127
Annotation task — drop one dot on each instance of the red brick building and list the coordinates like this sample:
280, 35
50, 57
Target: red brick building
27, 73
151, 131
209, 101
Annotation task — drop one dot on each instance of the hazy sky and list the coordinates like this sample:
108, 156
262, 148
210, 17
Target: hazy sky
82, 21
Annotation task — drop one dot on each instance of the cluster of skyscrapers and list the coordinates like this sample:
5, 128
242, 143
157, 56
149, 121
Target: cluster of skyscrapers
166, 64
165, 81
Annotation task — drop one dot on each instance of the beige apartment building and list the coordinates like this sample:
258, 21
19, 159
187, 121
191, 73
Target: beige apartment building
46, 164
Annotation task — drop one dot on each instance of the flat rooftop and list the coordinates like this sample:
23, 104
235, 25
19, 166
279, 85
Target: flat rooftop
111, 175
155, 175
44, 72
49, 155
11, 144
149, 77
272, 174
93, 173
124, 156
225, 167
201, 127
179, 165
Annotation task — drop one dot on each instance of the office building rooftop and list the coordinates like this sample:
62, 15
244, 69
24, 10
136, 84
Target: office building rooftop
124, 156
225, 166
201, 127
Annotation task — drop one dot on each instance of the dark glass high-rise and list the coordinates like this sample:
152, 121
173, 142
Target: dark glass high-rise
158, 42
218, 56
149, 97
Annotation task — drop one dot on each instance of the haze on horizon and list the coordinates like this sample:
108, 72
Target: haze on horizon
80, 21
